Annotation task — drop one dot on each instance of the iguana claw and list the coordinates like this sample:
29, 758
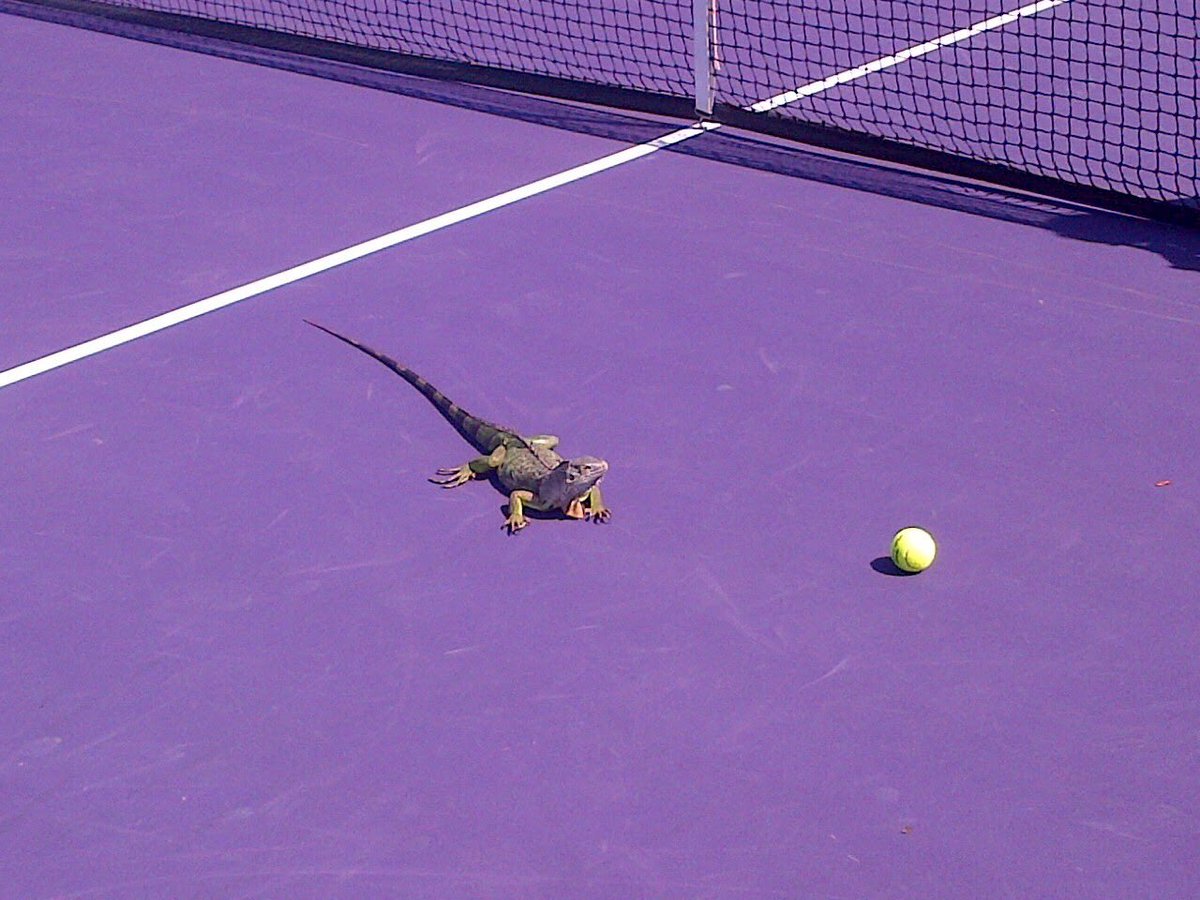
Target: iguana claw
514, 523
453, 477
603, 514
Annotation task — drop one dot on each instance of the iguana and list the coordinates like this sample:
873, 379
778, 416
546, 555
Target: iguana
530, 470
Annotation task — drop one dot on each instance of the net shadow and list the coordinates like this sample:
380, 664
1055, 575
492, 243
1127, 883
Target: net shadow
434, 82
1178, 245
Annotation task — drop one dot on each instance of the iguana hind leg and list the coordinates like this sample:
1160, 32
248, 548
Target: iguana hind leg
479, 467
545, 441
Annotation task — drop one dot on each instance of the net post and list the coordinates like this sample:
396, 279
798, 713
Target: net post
702, 55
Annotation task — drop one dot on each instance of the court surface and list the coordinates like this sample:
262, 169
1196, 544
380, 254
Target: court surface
248, 651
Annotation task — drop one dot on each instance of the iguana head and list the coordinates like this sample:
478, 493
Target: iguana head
570, 480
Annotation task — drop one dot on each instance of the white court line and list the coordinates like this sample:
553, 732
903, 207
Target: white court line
340, 257
886, 62
386, 241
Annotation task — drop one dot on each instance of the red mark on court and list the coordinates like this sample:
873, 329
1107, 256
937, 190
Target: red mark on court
1164, 483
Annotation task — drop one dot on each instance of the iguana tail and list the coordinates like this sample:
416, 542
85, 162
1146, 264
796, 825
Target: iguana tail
483, 436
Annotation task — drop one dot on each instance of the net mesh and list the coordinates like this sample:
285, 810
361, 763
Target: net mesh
643, 46
1098, 93
1101, 92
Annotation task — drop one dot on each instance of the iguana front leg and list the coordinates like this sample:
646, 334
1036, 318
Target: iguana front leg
596, 510
516, 511
479, 467
518, 502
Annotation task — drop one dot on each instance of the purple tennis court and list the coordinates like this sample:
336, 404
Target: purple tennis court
249, 651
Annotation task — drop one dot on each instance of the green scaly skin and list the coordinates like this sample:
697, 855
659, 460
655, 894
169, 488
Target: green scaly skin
533, 474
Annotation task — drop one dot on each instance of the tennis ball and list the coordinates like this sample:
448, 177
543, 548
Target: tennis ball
913, 549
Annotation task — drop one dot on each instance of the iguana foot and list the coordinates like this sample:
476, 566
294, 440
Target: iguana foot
452, 478
596, 510
516, 510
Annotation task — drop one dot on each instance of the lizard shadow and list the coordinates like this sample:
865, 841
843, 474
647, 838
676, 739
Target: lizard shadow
884, 566
530, 513
540, 515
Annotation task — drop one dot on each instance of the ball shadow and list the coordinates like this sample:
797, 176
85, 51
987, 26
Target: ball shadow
884, 566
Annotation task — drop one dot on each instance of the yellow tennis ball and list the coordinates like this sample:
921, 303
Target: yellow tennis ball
913, 549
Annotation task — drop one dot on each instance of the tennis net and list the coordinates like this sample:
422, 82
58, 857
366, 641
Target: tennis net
1092, 100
